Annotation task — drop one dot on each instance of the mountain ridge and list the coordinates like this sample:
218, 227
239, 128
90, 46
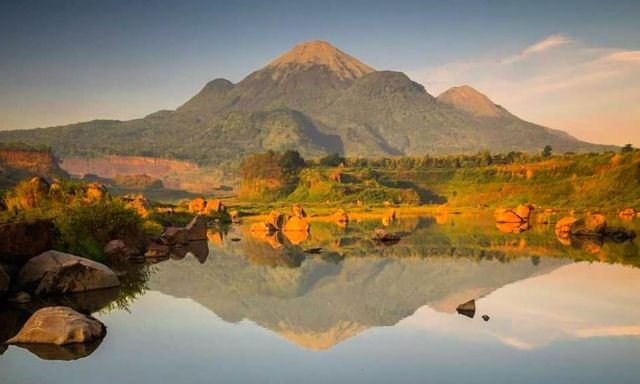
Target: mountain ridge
315, 99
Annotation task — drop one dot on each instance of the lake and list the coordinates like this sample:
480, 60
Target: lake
334, 306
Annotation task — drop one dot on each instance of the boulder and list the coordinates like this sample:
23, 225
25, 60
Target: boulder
380, 235
507, 216
175, 236
157, 251
524, 211
628, 213
592, 224
197, 228
276, 219
55, 272
59, 326
391, 214
214, 206
198, 249
296, 223
262, 227
512, 227
40, 184
141, 205
298, 211
96, 192
467, 309
21, 241
197, 205
341, 216
5, 282
564, 225
116, 251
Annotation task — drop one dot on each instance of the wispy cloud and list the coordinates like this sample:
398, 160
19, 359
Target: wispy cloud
541, 46
560, 82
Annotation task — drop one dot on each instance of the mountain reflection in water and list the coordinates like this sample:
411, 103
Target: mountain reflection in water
336, 285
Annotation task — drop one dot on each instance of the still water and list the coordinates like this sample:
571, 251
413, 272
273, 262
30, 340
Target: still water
242, 308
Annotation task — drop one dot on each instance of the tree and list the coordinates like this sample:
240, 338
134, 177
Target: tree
332, 160
547, 151
627, 148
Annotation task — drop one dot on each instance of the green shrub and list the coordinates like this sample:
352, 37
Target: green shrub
84, 229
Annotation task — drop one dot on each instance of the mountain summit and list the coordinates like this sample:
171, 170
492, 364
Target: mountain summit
470, 100
320, 53
315, 99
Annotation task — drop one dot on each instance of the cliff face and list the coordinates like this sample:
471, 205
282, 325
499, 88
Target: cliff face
17, 164
173, 174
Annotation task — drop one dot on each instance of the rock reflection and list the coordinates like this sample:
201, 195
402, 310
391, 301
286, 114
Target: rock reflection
66, 352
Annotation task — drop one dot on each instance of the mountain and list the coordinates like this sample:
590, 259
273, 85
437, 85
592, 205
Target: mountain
315, 99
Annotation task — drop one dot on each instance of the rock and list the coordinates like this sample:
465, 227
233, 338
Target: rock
116, 251
380, 235
298, 211
40, 183
467, 309
593, 224
235, 216
175, 236
197, 205
141, 205
21, 241
507, 216
341, 216
19, 298
442, 210
262, 227
564, 225
296, 223
485, 317
96, 192
5, 282
524, 211
628, 213
214, 206
391, 214
55, 272
59, 326
276, 219
197, 228
157, 251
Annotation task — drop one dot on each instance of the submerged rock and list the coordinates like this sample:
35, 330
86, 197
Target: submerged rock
341, 216
67, 352
467, 309
57, 272
564, 225
380, 235
59, 326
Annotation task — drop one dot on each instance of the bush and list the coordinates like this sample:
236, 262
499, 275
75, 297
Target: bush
84, 229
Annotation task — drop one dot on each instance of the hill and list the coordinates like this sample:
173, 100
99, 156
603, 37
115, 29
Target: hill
315, 99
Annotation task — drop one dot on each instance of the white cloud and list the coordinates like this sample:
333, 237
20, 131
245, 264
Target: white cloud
563, 83
541, 46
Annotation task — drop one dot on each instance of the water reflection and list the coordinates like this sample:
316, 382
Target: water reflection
322, 288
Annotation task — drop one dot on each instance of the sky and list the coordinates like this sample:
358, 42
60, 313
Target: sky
570, 65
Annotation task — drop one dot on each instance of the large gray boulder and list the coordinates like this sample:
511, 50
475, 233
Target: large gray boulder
55, 272
59, 326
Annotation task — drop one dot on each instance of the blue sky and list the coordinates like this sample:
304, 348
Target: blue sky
69, 61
